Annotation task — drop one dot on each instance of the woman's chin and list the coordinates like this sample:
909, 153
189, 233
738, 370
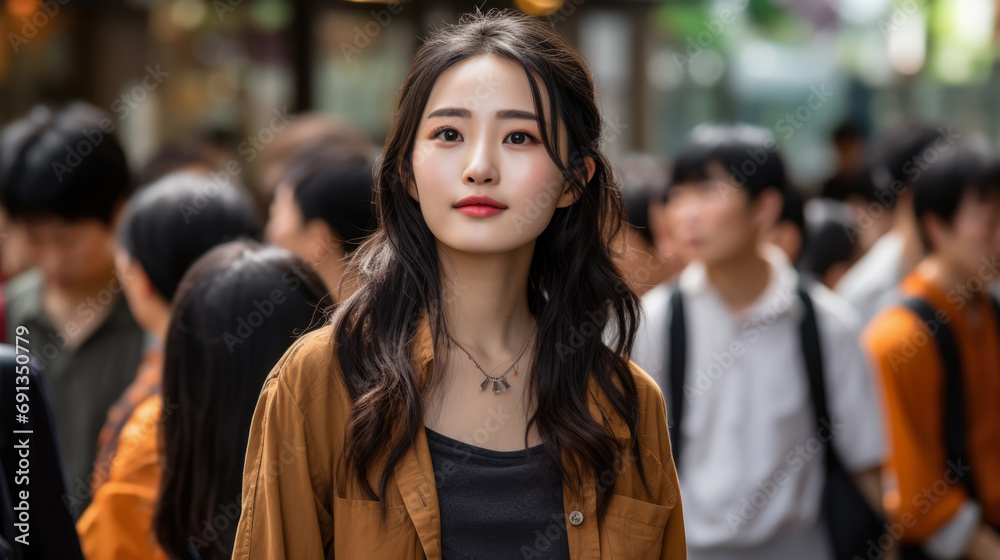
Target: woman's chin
495, 243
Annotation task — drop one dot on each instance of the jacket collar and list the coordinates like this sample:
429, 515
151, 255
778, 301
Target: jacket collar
415, 474
423, 357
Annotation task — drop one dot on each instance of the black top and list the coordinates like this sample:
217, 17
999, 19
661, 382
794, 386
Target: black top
495, 504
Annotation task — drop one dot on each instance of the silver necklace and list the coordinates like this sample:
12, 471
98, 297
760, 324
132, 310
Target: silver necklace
500, 384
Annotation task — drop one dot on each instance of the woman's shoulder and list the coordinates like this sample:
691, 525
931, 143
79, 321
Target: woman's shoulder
652, 408
307, 373
652, 412
646, 387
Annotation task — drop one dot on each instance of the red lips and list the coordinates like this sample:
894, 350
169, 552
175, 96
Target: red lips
480, 201
479, 206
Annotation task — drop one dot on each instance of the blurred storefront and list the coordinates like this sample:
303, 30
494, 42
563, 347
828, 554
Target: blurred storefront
219, 71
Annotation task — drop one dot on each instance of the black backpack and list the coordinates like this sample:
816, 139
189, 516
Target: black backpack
954, 428
853, 524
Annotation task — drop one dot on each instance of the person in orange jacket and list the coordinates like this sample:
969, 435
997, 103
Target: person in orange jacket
174, 485
938, 354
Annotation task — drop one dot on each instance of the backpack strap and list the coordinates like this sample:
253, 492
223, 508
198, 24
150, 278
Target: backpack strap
676, 363
954, 426
812, 353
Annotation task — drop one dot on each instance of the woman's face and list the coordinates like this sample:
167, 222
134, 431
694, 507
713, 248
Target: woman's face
479, 137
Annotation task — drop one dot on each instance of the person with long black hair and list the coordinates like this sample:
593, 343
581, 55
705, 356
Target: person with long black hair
462, 402
174, 490
163, 230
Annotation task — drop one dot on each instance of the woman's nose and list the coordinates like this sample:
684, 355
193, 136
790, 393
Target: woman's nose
481, 167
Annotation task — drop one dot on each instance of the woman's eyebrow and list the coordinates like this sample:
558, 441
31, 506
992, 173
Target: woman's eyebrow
504, 114
516, 114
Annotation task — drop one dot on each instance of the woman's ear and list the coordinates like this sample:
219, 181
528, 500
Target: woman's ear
407, 179
568, 196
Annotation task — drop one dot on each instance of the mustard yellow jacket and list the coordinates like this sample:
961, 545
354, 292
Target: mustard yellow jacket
294, 507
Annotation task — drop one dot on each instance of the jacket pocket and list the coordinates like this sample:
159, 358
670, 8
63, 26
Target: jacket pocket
635, 528
359, 532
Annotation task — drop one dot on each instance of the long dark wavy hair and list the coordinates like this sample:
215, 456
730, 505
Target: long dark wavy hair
574, 289
237, 310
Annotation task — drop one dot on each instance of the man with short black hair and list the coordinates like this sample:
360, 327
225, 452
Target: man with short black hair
748, 441
64, 176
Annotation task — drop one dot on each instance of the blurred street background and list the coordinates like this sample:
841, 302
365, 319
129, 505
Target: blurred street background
223, 66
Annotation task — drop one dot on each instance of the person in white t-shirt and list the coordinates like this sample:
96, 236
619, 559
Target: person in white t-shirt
751, 472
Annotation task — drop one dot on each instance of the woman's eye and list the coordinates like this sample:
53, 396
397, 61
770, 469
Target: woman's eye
449, 135
518, 137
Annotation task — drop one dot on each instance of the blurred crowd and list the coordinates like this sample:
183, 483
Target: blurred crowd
852, 326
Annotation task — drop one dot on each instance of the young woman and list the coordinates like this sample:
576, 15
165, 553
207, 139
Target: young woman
237, 309
157, 243
174, 489
155, 249
462, 403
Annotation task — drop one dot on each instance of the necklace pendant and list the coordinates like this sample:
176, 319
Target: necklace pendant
482, 387
505, 384
496, 388
515, 373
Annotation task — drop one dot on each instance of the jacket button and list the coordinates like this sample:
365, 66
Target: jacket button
576, 518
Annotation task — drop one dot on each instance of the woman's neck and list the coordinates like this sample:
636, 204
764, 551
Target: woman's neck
484, 298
